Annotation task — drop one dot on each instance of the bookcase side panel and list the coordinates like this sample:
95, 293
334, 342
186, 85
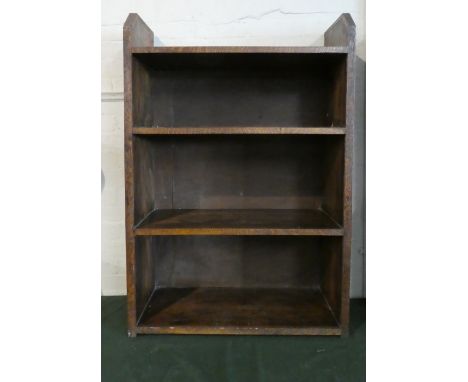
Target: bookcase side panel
135, 33
343, 33
144, 272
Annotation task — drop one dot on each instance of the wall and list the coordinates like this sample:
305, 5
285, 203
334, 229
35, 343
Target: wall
214, 22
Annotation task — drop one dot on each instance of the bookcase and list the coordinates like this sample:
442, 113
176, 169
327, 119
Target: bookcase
238, 168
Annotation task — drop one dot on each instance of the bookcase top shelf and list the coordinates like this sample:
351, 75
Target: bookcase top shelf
239, 49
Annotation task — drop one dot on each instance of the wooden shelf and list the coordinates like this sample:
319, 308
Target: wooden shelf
240, 49
238, 222
238, 130
238, 311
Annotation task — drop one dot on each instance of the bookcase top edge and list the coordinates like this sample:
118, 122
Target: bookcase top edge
240, 49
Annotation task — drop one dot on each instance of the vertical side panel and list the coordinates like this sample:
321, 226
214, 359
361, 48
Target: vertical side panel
141, 93
343, 33
338, 94
347, 216
334, 176
152, 175
331, 268
144, 272
135, 34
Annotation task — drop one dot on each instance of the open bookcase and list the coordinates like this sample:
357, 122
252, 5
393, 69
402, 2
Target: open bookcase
238, 185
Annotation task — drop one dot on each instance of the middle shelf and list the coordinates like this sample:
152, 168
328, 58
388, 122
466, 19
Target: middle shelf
239, 130
238, 222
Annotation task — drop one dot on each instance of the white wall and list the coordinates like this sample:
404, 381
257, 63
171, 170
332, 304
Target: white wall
212, 22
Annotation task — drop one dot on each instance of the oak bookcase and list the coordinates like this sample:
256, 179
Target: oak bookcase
238, 185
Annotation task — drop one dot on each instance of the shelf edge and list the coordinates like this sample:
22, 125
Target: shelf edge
239, 49
239, 231
311, 331
239, 130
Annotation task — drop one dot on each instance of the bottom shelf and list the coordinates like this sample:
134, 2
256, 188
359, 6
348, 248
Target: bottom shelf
238, 311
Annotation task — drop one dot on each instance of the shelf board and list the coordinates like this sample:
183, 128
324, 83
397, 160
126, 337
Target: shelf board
240, 49
238, 311
238, 222
238, 130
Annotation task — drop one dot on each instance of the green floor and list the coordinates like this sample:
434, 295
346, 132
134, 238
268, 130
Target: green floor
171, 358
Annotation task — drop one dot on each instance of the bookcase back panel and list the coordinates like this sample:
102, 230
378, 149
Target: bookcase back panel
236, 261
223, 90
237, 172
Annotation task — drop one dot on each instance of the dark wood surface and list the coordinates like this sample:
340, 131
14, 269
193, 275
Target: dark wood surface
331, 263
238, 261
333, 183
238, 130
145, 273
343, 33
239, 222
235, 89
152, 176
223, 143
237, 310
241, 49
135, 34
233, 171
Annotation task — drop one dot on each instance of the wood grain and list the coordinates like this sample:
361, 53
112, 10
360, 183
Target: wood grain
238, 222
145, 271
239, 130
233, 171
238, 185
330, 273
343, 32
333, 184
238, 261
239, 90
236, 330
135, 33
241, 49
237, 311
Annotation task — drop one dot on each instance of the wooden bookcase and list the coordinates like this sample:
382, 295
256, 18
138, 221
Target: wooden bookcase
238, 185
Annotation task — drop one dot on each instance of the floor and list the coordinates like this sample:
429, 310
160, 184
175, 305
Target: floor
170, 358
